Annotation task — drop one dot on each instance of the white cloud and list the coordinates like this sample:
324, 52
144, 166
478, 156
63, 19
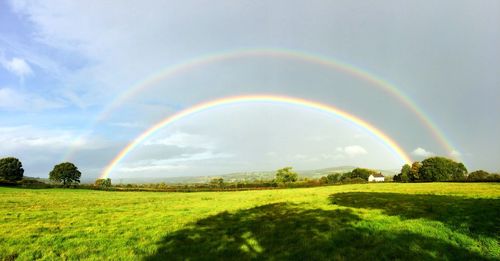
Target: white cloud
17, 66
32, 56
147, 168
77, 29
174, 163
126, 124
183, 140
328, 156
301, 156
40, 148
352, 150
455, 154
11, 99
29, 138
25, 137
422, 152
271, 154
201, 156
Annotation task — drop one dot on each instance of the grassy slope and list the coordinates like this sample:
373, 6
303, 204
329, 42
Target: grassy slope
386, 221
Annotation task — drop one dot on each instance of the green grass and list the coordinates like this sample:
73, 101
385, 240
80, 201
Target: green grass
453, 221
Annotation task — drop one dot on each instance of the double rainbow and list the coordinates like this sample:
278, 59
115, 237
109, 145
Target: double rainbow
328, 62
382, 137
357, 72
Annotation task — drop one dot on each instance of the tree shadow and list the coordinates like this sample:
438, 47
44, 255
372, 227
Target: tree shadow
284, 231
473, 216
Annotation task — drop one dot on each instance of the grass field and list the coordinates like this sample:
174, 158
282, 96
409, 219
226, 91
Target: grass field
454, 221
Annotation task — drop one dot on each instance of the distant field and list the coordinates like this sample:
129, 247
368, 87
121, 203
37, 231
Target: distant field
454, 221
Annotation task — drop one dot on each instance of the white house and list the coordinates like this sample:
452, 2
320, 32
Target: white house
376, 177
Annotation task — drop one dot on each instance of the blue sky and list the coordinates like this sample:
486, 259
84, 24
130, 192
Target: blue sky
62, 63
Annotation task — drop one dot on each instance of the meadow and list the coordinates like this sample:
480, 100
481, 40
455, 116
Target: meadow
420, 221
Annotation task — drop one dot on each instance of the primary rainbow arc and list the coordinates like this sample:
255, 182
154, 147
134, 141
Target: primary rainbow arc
382, 137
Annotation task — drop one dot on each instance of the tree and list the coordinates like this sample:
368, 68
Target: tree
11, 169
362, 173
103, 183
403, 176
494, 177
414, 173
286, 175
459, 172
441, 169
345, 177
478, 175
66, 173
333, 178
217, 182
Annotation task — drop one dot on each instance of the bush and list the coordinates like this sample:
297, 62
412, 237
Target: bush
33, 183
355, 180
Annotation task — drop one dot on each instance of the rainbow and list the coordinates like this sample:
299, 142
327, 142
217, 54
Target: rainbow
386, 140
187, 65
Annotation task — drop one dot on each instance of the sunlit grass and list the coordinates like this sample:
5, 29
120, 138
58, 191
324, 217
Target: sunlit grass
443, 221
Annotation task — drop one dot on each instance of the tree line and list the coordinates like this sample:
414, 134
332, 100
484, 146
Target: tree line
66, 173
429, 170
441, 169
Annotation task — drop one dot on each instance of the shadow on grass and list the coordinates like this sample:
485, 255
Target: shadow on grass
473, 216
283, 232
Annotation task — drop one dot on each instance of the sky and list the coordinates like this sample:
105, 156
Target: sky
66, 68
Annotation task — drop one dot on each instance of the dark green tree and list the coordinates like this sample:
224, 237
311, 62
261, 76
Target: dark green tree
11, 169
404, 175
362, 173
441, 169
217, 182
103, 183
460, 172
333, 178
478, 175
66, 173
494, 177
414, 172
286, 175
345, 177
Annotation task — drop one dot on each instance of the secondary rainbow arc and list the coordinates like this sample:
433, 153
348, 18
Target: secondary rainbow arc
329, 62
382, 137
357, 72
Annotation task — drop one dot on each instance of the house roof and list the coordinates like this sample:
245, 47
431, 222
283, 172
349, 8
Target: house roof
378, 175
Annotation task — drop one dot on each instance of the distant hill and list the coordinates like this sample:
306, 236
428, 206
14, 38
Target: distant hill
246, 176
